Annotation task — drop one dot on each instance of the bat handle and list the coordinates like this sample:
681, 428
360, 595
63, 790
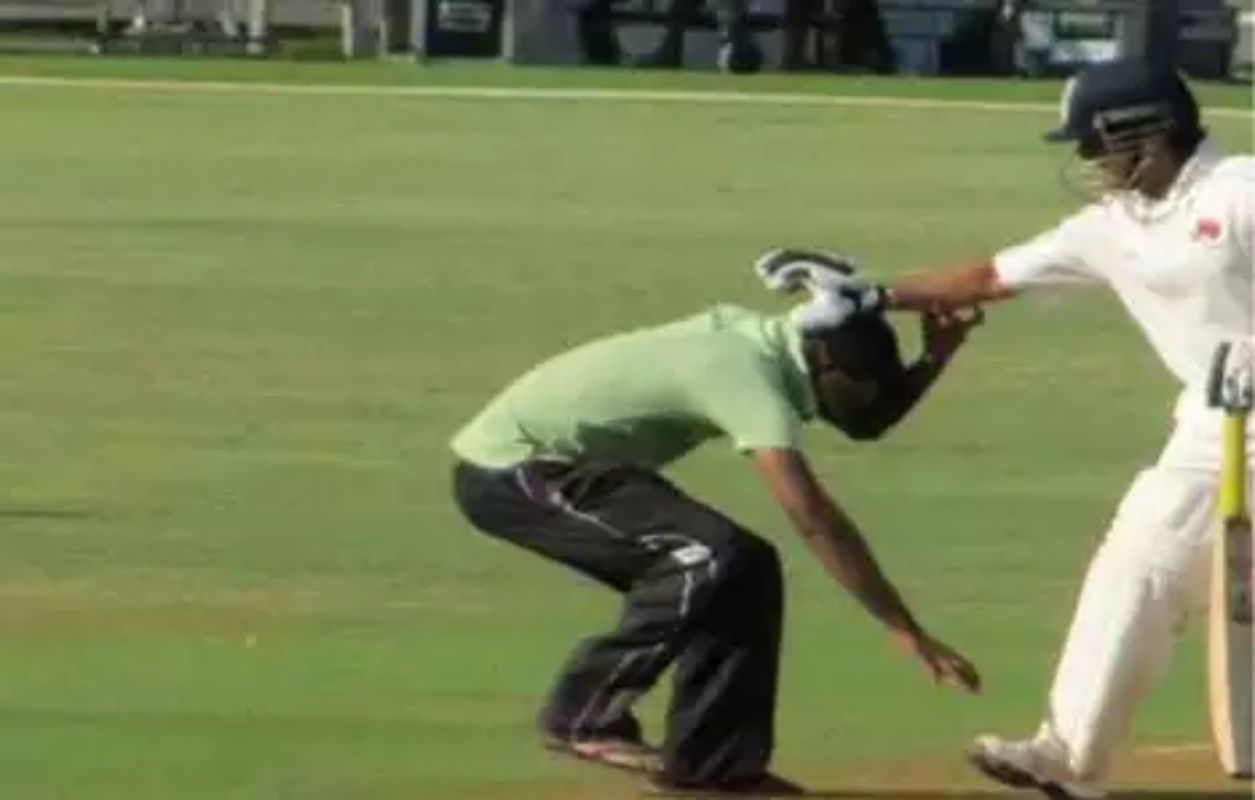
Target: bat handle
1232, 499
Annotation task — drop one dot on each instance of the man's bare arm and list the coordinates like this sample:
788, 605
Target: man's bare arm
960, 287
833, 538
836, 542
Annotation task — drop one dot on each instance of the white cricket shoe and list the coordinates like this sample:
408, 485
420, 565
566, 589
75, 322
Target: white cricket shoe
1022, 764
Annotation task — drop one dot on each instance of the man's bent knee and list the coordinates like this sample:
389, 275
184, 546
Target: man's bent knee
702, 568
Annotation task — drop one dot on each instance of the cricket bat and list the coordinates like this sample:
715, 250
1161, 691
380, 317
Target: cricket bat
1231, 646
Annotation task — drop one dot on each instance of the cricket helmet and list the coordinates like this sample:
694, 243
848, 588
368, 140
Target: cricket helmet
1116, 106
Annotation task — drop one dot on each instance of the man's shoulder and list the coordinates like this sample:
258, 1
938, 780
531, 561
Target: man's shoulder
707, 348
725, 318
727, 345
1229, 188
1085, 221
724, 329
1234, 172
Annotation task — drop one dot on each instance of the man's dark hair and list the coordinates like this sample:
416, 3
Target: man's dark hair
865, 347
861, 384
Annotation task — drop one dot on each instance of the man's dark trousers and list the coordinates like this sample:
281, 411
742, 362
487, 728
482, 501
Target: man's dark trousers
699, 591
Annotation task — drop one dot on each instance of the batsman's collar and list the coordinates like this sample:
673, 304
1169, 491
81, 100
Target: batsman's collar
1206, 157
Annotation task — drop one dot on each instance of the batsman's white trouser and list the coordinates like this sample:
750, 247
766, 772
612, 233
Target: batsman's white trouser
1150, 572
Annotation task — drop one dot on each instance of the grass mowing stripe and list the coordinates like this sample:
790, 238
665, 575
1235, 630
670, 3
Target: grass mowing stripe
568, 95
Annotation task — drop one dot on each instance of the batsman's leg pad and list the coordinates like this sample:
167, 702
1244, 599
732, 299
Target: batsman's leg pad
1137, 592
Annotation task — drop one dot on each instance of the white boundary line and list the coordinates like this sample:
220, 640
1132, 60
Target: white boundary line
538, 93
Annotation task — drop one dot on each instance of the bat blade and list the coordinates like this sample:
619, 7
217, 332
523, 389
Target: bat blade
1231, 648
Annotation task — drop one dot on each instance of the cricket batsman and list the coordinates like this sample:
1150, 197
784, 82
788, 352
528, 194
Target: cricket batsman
1171, 231
565, 462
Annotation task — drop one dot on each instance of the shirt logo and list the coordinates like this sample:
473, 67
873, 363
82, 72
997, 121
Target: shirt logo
1207, 229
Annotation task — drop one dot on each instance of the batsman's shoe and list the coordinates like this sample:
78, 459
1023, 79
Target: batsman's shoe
614, 752
1022, 764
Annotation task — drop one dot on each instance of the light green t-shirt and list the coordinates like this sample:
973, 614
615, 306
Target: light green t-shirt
649, 396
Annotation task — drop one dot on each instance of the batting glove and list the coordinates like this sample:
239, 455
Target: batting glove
1231, 384
837, 290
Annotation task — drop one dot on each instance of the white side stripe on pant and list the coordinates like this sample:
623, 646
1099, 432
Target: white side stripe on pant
621, 700
690, 554
578, 725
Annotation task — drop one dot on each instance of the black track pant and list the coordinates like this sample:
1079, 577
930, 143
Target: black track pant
699, 591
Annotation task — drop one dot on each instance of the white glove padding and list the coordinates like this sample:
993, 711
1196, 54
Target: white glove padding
837, 291
1232, 380
786, 269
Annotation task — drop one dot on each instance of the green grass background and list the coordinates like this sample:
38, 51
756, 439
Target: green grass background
239, 328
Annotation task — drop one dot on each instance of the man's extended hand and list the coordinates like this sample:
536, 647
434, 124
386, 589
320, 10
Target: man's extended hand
944, 332
841, 549
944, 664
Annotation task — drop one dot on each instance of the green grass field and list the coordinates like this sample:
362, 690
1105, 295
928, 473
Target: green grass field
239, 327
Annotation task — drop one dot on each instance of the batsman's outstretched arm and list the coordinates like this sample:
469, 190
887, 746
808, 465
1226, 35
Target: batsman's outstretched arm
836, 542
960, 287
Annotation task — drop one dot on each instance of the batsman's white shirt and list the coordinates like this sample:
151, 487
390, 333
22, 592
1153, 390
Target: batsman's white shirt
1183, 267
